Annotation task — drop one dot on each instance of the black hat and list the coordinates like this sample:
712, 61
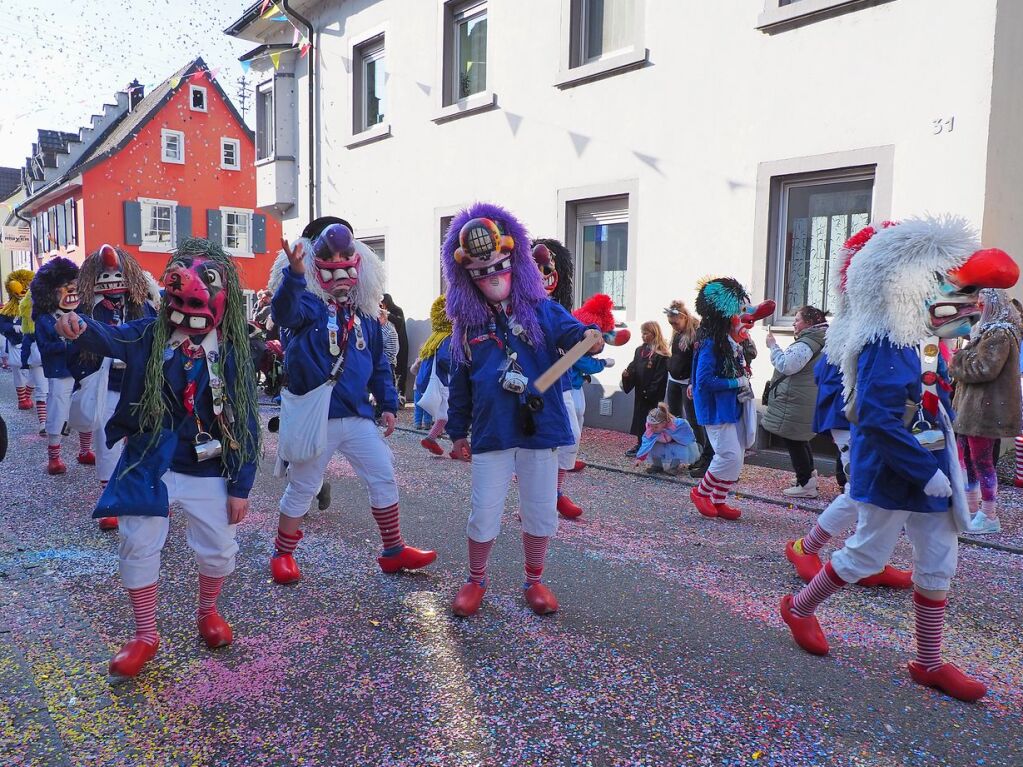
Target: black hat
313, 228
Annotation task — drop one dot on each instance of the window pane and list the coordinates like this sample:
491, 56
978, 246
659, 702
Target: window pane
605, 260
820, 217
472, 55
264, 124
373, 82
608, 26
236, 231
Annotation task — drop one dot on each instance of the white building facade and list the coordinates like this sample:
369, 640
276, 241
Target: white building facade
661, 140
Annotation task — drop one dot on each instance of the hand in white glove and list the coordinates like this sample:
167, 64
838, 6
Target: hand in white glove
609, 363
938, 486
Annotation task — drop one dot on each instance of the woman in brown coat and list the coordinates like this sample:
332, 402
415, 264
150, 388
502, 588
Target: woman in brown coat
987, 402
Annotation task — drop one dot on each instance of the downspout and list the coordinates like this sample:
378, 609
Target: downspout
312, 108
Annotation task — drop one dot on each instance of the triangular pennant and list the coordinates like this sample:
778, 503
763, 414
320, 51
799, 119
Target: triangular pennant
650, 160
280, 18
275, 57
580, 142
347, 62
295, 37
246, 66
304, 50
263, 6
212, 74
424, 88
274, 10
174, 82
514, 121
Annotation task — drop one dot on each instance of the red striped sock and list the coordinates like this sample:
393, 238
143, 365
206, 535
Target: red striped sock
714, 488
721, 491
438, 428
209, 590
561, 479
22, 393
479, 553
84, 442
143, 604
824, 584
930, 619
706, 486
535, 548
1019, 458
286, 543
389, 522
53, 451
41, 410
815, 539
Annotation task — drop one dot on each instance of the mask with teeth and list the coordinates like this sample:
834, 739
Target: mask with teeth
110, 282
195, 295
67, 296
548, 269
486, 253
336, 261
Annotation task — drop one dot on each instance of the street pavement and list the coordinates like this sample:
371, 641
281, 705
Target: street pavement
667, 650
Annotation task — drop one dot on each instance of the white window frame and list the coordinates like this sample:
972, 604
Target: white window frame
156, 247
205, 103
262, 89
249, 296
166, 133
370, 46
778, 15
600, 213
236, 252
224, 143
460, 15
449, 105
575, 69
375, 242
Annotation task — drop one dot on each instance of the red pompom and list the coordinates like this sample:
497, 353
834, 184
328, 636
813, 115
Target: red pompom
597, 310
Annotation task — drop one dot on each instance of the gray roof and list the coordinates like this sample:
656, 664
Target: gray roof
10, 180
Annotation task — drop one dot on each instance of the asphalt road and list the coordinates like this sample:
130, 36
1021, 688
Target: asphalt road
667, 649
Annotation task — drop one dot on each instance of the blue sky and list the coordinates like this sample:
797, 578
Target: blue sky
63, 59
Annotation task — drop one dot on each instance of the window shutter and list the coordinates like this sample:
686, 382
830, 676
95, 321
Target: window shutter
183, 222
258, 233
213, 227
132, 223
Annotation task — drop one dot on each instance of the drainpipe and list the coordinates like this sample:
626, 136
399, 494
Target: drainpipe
312, 108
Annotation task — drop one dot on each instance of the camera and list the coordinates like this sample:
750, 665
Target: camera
514, 381
206, 447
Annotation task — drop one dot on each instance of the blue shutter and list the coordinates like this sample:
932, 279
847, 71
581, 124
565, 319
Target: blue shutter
213, 229
132, 223
183, 222
258, 233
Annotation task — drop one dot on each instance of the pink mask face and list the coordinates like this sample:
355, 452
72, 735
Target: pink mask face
485, 252
195, 294
336, 261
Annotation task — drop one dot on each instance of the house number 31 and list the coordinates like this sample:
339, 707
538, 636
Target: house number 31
943, 125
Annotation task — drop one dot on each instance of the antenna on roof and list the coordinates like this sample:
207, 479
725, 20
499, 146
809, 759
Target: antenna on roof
244, 91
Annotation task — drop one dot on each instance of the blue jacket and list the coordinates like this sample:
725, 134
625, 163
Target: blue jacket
27, 339
716, 398
585, 366
680, 431
889, 466
132, 343
10, 328
307, 357
53, 350
830, 412
477, 399
83, 365
443, 359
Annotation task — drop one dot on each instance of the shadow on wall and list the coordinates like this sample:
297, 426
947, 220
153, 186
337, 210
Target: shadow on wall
621, 409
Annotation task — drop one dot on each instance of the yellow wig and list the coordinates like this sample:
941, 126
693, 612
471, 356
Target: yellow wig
17, 283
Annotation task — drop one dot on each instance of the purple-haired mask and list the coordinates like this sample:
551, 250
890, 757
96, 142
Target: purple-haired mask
336, 261
486, 254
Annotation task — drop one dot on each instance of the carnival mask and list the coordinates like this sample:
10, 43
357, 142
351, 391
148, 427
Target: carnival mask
336, 261
956, 307
548, 269
67, 296
486, 253
747, 316
195, 294
110, 281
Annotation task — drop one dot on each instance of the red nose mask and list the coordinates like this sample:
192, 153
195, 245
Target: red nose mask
195, 294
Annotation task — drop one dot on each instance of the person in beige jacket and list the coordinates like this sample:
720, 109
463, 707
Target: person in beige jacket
987, 402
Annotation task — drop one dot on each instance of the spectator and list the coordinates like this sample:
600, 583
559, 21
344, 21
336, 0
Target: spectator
262, 317
390, 337
397, 318
987, 403
648, 375
791, 396
680, 366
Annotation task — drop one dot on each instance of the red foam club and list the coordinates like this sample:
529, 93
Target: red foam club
989, 268
109, 256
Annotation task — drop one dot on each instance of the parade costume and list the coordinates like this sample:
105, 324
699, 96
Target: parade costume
54, 293
32, 362
434, 374
17, 283
326, 300
114, 290
721, 388
557, 268
909, 285
506, 333
188, 413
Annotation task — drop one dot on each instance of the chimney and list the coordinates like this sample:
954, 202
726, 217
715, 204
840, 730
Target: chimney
136, 92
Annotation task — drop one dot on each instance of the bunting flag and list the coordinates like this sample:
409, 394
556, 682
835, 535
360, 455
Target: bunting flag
263, 6
275, 57
294, 37
274, 11
580, 142
514, 121
650, 160
174, 82
246, 66
304, 50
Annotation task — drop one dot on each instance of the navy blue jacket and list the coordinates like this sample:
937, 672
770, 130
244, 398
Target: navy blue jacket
27, 339
53, 350
830, 411
477, 399
83, 365
307, 357
10, 328
890, 468
132, 343
716, 398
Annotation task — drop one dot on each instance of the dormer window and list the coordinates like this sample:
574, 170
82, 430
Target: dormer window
196, 98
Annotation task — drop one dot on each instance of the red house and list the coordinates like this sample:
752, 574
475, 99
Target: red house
150, 171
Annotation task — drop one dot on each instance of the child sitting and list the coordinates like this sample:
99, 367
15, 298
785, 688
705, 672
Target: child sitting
667, 438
